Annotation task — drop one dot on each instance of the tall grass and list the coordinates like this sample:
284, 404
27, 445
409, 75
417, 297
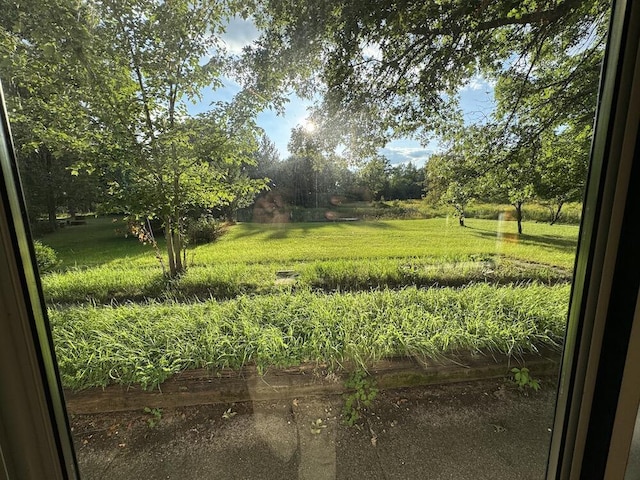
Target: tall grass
107, 284
424, 209
146, 343
352, 293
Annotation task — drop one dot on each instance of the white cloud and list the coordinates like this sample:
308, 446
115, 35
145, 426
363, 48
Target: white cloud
240, 33
403, 155
372, 51
476, 83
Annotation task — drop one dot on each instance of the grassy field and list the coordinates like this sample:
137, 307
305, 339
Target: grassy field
279, 295
100, 265
102, 242
424, 209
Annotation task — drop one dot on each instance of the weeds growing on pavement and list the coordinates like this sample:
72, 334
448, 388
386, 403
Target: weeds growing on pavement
363, 391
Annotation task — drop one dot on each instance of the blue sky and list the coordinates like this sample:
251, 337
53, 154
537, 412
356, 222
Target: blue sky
476, 100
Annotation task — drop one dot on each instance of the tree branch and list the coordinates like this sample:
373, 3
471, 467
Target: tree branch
541, 17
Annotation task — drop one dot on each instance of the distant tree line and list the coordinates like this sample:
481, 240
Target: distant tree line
551, 171
309, 179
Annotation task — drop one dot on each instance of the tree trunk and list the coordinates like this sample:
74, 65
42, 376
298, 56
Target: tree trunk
229, 213
174, 246
518, 207
460, 210
51, 209
177, 246
175, 232
555, 216
168, 233
316, 189
50, 192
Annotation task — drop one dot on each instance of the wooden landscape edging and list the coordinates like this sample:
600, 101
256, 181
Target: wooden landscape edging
203, 387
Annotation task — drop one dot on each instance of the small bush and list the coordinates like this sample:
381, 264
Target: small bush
46, 257
204, 230
364, 392
523, 379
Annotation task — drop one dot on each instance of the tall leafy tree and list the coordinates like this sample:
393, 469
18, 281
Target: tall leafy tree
451, 180
319, 164
41, 70
306, 162
149, 59
267, 158
401, 64
405, 182
55, 186
457, 175
562, 169
373, 177
515, 180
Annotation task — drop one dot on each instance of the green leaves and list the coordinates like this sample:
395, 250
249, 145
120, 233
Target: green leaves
155, 415
145, 63
421, 50
364, 391
523, 380
49, 50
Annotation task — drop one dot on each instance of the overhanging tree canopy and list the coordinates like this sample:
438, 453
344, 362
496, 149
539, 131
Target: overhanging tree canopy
401, 64
124, 71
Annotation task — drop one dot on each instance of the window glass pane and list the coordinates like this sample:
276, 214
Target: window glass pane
305, 239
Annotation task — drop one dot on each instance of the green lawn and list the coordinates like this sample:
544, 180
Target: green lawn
97, 243
102, 266
436, 237
100, 241
361, 291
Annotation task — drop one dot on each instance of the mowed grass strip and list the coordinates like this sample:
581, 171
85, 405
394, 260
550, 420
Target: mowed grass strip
101, 242
438, 237
146, 344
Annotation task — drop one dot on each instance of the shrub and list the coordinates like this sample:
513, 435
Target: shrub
42, 227
46, 257
204, 230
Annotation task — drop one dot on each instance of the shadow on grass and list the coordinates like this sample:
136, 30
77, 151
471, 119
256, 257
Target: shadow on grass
377, 224
250, 230
276, 230
98, 242
279, 233
564, 244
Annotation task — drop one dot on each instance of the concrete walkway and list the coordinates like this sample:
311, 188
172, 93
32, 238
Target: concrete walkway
475, 430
